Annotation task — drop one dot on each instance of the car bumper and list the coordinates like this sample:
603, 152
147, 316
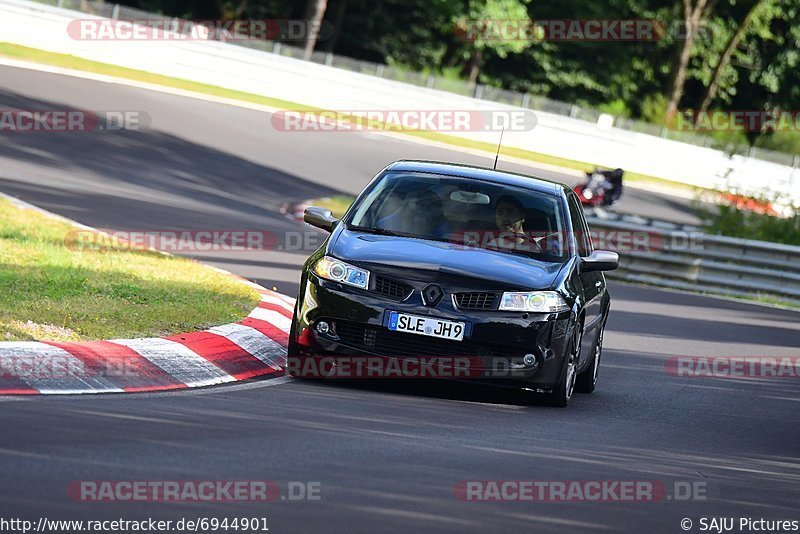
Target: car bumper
492, 350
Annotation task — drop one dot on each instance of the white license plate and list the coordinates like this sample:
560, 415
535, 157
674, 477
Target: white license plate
426, 326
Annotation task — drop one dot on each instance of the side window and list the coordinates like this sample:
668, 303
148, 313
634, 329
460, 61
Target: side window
579, 226
587, 234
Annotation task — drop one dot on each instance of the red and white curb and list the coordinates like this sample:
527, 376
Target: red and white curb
252, 347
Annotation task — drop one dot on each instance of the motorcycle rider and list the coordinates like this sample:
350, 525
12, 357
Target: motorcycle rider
614, 185
610, 181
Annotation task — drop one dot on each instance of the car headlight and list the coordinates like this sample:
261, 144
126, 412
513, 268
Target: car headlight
339, 271
533, 301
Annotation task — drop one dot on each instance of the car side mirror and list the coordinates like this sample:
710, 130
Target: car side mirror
600, 260
320, 217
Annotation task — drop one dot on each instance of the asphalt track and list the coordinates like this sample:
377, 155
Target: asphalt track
387, 455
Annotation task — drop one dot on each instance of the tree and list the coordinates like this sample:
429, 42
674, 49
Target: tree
730, 48
695, 12
316, 10
482, 27
742, 54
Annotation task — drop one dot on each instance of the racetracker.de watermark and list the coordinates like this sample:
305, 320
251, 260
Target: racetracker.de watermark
38, 367
232, 240
210, 240
643, 241
579, 491
558, 30
733, 366
646, 241
74, 120
579, 30
400, 120
372, 367
193, 491
144, 525
283, 30
741, 120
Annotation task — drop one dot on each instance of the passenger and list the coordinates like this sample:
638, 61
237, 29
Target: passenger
420, 215
391, 204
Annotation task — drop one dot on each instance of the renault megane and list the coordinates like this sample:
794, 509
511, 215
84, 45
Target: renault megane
450, 261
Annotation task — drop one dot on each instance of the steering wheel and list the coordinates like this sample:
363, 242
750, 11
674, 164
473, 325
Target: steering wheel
527, 241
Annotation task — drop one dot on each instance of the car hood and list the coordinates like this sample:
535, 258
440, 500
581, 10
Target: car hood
420, 257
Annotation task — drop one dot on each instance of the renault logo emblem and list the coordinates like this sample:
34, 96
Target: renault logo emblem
431, 295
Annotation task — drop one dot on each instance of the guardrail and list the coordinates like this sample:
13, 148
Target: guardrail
682, 257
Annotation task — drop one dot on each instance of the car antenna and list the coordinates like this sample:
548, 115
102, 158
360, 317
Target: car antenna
498, 148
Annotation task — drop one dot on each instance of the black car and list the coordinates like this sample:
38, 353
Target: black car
442, 261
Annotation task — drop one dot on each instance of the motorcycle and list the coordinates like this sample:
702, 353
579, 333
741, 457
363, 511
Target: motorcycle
598, 190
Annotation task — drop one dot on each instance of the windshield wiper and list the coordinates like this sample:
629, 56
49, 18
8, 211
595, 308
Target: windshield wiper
373, 230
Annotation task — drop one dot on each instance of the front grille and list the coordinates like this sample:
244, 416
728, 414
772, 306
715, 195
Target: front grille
476, 301
392, 289
384, 342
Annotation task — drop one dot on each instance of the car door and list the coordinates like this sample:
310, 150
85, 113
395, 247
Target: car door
593, 283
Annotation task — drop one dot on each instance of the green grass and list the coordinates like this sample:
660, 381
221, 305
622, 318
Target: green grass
733, 220
53, 291
772, 301
71, 62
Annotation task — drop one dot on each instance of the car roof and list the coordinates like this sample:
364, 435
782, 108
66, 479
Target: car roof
482, 173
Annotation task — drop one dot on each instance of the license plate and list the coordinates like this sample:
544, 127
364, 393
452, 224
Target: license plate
426, 326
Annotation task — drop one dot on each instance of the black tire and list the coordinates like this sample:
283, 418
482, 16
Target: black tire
292, 351
587, 380
563, 390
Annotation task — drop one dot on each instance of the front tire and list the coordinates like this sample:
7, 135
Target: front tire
563, 390
293, 357
587, 380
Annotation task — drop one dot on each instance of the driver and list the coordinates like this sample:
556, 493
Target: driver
509, 217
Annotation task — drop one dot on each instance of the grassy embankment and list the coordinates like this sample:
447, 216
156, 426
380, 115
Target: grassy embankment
56, 290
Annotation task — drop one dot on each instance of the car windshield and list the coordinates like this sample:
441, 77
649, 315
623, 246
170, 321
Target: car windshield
466, 211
